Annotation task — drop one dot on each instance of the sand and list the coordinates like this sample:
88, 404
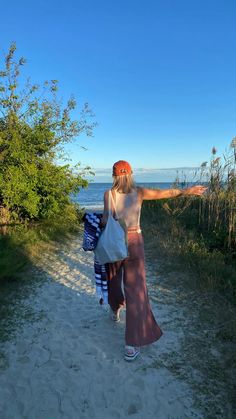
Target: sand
67, 362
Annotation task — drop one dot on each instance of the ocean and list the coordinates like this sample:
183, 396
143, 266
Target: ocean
91, 198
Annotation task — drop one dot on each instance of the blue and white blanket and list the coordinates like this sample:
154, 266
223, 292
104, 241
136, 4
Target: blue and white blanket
92, 231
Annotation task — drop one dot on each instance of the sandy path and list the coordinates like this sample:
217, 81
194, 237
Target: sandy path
68, 362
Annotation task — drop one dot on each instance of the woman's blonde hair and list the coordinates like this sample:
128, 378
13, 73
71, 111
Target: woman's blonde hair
124, 183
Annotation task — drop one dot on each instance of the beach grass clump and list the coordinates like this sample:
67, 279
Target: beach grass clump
200, 231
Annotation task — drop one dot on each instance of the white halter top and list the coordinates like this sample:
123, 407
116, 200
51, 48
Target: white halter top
128, 208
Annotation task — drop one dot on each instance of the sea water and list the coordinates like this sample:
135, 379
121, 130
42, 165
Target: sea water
91, 198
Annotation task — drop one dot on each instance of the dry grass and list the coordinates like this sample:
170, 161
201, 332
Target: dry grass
199, 234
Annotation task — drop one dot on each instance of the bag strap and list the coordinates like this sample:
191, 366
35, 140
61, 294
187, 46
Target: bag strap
109, 204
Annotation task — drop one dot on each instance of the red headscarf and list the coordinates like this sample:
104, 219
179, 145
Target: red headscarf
121, 168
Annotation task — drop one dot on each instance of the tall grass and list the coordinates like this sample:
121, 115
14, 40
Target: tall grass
217, 211
201, 230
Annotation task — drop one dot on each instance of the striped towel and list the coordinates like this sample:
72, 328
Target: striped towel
101, 282
92, 231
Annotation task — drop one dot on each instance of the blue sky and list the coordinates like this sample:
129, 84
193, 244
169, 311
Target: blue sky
158, 74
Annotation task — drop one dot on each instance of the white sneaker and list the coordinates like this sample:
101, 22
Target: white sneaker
131, 353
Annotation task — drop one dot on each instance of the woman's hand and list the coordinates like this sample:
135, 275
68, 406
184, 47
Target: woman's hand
195, 190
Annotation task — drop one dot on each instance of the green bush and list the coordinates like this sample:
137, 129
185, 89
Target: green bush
33, 129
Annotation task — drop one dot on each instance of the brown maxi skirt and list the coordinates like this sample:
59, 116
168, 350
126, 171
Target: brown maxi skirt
141, 326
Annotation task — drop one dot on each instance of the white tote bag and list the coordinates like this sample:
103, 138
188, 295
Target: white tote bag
111, 246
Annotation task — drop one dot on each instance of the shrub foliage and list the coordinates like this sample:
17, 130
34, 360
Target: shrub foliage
34, 126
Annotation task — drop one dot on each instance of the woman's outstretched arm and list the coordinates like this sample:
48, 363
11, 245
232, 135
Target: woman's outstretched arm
148, 194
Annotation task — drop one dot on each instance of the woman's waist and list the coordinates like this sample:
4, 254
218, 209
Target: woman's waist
134, 229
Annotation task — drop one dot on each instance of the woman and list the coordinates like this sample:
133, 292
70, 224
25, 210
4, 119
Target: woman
141, 326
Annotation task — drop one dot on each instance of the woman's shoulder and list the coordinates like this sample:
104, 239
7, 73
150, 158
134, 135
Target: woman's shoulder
107, 191
106, 194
